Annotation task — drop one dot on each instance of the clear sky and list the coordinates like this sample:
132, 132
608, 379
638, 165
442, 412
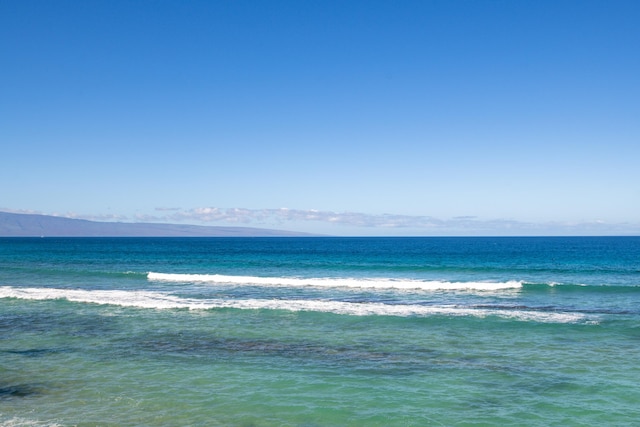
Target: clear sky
358, 117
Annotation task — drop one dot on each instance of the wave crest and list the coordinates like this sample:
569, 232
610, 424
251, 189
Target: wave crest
160, 300
384, 283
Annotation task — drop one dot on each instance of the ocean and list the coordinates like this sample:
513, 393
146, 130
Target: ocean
317, 331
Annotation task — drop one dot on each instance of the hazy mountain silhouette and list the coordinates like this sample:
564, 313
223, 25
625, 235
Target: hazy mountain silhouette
25, 225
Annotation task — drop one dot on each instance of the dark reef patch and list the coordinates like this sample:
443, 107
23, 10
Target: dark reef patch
19, 391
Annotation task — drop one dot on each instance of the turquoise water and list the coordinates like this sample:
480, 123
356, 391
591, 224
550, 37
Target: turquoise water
320, 331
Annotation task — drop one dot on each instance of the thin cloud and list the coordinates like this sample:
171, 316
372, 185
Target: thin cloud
71, 215
103, 217
468, 224
366, 223
22, 211
282, 215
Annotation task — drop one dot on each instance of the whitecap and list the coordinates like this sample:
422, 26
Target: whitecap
372, 283
161, 300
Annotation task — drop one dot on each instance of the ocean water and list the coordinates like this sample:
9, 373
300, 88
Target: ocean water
320, 331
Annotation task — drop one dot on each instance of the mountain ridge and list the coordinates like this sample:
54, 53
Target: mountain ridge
37, 225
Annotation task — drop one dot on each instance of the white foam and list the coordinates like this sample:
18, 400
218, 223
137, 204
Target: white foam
159, 300
22, 422
384, 283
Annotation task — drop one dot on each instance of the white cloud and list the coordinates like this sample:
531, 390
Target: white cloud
461, 225
282, 215
357, 223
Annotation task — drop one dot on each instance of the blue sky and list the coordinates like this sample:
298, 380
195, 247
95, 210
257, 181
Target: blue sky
339, 117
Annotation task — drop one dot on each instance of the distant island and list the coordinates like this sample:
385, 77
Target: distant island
32, 225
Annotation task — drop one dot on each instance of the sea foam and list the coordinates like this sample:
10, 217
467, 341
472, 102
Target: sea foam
160, 300
373, 283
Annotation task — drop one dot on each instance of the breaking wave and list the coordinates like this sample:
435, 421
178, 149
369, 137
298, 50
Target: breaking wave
383, 283
160, 300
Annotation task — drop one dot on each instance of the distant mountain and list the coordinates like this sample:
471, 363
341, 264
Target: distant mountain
25, 225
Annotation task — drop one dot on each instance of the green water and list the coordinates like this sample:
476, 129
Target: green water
115, 366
